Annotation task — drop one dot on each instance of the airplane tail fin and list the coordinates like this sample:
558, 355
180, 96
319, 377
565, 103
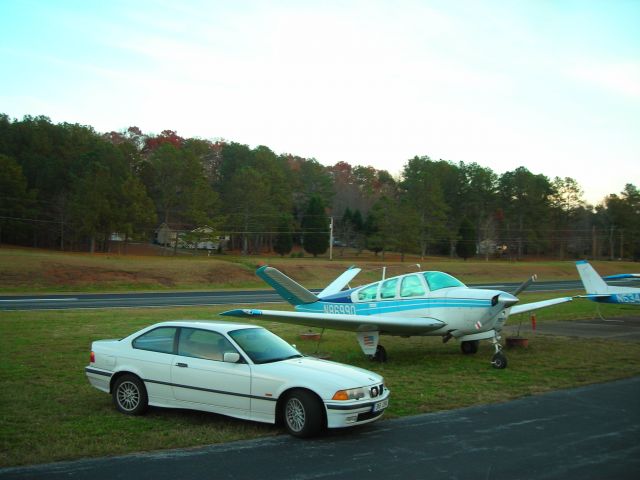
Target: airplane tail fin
289, 289
592, 282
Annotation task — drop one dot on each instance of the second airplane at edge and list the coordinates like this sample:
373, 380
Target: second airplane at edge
428, 303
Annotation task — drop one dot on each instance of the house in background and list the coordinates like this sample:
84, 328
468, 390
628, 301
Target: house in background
203, 238
165, 235
200, 238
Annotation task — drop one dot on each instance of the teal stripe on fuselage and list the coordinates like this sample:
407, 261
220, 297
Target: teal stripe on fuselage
390, 306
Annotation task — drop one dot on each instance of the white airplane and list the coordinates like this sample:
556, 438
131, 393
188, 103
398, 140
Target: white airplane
415, 304
598, 290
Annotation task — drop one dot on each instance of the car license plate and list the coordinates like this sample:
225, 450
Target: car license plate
380, 405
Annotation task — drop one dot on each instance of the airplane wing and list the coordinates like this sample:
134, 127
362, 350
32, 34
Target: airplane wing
527, 307
622, 275
354, 323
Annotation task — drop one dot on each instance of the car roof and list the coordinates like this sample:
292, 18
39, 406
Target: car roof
219, 326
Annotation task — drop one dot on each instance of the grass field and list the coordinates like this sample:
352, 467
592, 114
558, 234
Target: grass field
49, 412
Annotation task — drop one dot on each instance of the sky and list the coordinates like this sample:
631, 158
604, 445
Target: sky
551, 85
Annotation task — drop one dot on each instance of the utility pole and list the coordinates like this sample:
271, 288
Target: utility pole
330, 238
611, 243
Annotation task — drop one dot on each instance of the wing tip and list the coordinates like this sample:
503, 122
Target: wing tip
241, 312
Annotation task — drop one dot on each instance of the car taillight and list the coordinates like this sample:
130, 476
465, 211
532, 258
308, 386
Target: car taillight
93, 358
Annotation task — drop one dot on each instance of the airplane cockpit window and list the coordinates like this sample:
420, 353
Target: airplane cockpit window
438, 280
411, 286
388, 289
368, 293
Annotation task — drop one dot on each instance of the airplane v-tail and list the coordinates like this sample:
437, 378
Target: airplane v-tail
427, 303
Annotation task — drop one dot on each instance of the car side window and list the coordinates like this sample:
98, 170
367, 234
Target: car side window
388, 289
368, 293
157, 340
411, 286
204, 344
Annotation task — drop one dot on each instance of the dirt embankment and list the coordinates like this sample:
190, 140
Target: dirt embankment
26, 270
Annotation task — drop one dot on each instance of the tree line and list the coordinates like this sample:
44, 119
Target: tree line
69, 187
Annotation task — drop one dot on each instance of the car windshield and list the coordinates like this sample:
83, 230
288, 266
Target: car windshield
262, 346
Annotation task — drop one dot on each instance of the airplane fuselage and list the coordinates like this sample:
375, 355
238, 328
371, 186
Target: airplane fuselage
627, 298
462, 310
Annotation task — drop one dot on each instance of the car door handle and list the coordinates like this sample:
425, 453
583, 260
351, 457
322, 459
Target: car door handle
183, 365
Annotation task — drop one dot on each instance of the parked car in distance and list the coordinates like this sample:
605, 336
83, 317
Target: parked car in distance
234, 369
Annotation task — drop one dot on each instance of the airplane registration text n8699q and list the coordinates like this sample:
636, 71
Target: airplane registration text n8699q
339, 308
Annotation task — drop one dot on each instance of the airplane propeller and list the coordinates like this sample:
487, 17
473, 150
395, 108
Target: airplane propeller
525, 285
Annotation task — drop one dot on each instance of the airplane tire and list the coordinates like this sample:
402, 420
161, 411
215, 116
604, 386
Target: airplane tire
470, 347
380, 355
499, 361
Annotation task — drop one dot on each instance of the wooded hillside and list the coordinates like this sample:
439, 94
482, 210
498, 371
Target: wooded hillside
68, 187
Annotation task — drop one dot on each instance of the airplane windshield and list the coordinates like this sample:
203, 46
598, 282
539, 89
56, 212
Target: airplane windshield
368, 293
438, 280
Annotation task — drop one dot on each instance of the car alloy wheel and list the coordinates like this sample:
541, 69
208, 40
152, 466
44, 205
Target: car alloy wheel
295, 414
128, 396
303, 414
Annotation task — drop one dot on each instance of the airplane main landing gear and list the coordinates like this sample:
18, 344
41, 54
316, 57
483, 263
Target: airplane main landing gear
499, 359
380, 355
469, 347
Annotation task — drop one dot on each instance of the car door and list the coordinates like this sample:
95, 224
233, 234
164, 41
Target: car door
200, 376
151, 356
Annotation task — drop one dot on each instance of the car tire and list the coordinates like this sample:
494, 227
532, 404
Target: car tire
302, 414
130, 395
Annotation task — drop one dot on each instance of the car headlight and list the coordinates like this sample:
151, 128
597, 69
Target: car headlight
351, 394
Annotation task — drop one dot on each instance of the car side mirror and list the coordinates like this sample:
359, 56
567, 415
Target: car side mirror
231, 357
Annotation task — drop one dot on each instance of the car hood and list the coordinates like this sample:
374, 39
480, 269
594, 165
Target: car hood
331, 374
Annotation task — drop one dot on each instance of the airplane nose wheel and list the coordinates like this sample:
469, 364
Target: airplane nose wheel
499, 359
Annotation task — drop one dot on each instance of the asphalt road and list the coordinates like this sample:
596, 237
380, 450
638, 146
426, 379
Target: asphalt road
591, 432
626, 329
134, 300
175, 299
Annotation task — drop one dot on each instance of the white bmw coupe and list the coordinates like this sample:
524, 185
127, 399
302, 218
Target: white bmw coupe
240, 370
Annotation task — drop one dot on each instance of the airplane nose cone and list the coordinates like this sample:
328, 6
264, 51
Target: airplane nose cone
504, 299
507, 299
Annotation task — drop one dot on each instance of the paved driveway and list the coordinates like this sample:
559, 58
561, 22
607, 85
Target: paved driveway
591, 432
610, 328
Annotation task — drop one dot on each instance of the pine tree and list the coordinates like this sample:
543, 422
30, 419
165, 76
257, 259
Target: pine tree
466, 246
284, 239
315, 228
